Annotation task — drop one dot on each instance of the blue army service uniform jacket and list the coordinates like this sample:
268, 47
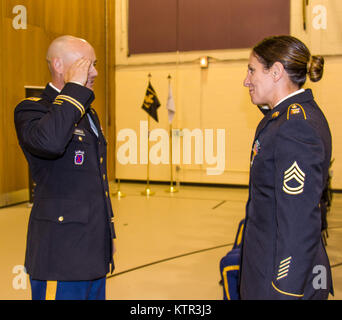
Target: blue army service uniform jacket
70, 228
282, 240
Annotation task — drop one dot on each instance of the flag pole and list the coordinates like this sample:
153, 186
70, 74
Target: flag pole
171, 189
118, 192
147, 192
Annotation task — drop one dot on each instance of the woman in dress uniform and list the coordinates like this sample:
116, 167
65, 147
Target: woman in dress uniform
283, 256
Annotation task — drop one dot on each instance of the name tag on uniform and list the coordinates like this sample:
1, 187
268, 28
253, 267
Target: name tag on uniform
79, 132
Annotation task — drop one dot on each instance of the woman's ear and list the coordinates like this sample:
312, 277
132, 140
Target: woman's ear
277, 71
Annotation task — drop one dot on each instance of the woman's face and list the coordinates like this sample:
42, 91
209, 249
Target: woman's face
259, 81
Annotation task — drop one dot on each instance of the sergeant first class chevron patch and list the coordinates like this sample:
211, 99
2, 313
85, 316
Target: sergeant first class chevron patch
294, 175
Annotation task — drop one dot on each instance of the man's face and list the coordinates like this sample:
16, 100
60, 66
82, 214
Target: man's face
259, 82
79, 50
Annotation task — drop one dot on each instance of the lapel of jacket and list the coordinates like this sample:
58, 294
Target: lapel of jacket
87, 125
96, 121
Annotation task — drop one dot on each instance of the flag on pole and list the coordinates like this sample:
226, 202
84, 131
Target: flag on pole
151, 102
170, 105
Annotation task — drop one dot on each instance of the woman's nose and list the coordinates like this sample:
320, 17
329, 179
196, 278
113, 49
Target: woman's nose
246, 82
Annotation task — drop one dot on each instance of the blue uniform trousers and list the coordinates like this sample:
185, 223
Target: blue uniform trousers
68, 290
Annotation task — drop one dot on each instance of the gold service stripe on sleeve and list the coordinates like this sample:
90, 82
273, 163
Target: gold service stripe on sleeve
73, 101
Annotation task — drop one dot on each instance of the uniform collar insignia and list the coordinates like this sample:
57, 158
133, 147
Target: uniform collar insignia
275, 114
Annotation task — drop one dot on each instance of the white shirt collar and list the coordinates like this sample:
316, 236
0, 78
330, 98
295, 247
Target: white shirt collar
290, 95
52, 86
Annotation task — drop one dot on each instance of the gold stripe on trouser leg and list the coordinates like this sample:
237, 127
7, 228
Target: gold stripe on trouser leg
51, 289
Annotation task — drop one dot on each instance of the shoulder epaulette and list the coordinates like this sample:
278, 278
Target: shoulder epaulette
33, 99
296, 111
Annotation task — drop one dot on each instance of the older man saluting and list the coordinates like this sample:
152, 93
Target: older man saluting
70, 233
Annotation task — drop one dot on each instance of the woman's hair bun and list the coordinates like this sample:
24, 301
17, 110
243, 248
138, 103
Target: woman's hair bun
315, 68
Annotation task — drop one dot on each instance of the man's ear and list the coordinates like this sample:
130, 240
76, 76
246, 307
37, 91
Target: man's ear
57, 65
277, 71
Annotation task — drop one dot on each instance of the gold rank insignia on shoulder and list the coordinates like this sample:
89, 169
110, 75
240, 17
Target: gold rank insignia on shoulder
33, 99
295, 109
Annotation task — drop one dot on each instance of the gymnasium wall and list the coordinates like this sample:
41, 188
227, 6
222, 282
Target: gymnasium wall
214, 97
